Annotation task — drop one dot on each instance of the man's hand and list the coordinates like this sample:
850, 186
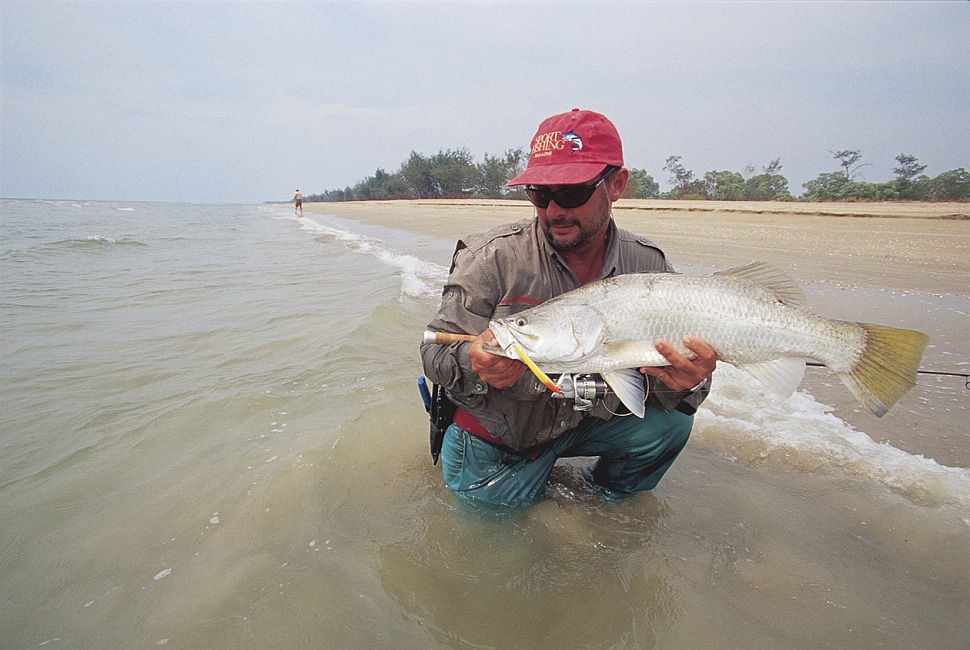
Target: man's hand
500, 372
684, 373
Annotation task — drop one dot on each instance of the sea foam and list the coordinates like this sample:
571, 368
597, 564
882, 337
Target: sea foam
741, 419
418, 277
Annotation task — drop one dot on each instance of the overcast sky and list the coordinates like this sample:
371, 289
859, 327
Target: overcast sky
246, 101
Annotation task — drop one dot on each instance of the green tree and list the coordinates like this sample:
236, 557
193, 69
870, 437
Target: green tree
680, 176
641, 185
849, 161
372, 188
724, 186
685, 185
859, 191
453, 174
827, 186
909, 168
416, 174
953, 185
491, 177
494, 172
769, 186
515, 162
910, 181
840, 185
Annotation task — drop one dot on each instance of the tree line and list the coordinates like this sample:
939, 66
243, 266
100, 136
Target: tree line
453, 174
449, 174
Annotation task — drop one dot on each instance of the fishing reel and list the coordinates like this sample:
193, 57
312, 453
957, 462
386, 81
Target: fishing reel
584, 390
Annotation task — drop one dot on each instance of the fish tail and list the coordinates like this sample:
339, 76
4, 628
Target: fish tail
887, 367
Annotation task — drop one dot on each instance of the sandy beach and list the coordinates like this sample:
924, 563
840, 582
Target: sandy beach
905, 246
900, 264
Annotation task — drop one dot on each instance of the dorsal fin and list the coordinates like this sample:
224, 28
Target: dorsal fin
771, 278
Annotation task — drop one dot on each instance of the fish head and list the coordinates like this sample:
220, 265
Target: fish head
550, 336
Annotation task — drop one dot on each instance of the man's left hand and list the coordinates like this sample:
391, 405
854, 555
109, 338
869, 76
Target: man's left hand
684, 373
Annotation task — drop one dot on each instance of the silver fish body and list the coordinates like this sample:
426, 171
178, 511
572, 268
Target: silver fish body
752, 316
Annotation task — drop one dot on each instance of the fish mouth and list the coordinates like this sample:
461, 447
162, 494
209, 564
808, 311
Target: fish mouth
504, 337
508, 339
513, 350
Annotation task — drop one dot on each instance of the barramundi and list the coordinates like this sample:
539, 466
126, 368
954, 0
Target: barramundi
753, 316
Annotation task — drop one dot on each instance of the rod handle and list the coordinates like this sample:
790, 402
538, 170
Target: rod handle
444, 338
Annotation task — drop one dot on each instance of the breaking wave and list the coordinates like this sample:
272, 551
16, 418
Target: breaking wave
419, 278
742, 420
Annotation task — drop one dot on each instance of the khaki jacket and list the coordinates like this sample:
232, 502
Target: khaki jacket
506, 270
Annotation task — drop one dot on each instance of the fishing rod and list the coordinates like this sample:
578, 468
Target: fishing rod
444, 338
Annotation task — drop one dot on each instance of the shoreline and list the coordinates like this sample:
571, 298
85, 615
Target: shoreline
895, 246
884, 266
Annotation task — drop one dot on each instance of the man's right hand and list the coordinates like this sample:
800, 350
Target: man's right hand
495, 370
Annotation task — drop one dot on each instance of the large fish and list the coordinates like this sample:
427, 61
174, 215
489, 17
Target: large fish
753, 316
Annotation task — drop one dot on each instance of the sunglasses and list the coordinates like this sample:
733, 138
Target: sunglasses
570, 196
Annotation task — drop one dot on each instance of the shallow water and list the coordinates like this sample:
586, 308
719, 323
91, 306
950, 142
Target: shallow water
211, 437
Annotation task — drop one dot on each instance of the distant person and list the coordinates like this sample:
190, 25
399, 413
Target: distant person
507, 431
298, 203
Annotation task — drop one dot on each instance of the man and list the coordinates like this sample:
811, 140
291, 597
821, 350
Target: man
508, 430
298, 203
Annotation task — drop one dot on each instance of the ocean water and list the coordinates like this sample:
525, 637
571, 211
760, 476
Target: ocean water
210, 436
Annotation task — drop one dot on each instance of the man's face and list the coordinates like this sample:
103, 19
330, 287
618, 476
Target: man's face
570, 229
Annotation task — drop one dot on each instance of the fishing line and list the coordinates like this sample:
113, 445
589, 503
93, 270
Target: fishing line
939, 373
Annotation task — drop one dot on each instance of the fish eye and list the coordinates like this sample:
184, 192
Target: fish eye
521, 322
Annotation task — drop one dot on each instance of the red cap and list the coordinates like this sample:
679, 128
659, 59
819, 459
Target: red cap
571, 149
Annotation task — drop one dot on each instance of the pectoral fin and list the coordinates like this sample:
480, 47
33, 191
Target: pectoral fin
628, 385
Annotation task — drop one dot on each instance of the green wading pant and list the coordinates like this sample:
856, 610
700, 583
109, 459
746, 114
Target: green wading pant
634, 454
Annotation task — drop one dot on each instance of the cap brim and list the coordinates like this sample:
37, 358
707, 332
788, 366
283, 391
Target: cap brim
572, 174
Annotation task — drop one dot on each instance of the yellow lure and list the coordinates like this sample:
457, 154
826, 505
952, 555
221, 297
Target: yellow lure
543, 377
